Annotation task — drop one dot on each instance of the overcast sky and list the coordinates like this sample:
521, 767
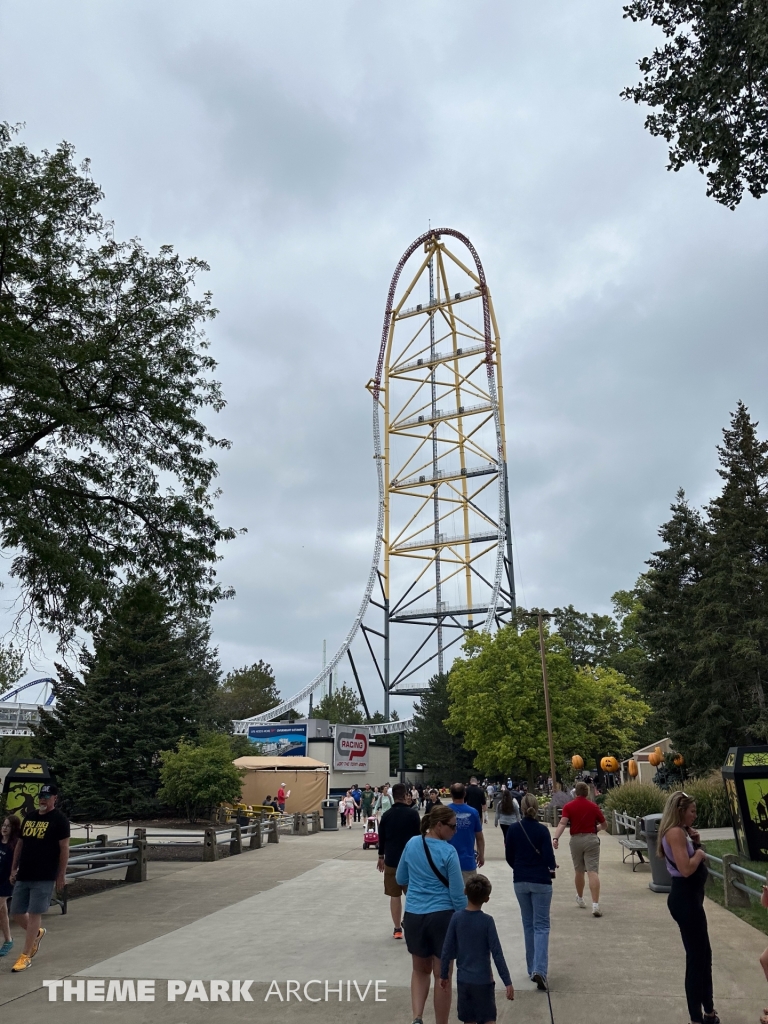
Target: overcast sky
299, 148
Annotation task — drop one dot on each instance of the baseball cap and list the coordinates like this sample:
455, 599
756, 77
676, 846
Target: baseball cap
49, 790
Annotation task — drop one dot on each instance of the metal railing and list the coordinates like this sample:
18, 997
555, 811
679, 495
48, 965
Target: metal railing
733, 876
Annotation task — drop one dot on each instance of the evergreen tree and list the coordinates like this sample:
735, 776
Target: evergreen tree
342, 707
142, 691
245, 692
430, 743
704, 621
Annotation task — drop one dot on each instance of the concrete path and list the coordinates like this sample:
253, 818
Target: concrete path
313, 908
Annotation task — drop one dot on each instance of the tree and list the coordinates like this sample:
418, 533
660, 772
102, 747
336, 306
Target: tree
341, 707
497, 699
246, 692
705, 612
708, 89
431, 743
104, 462
590, 639
199, 778
141, 693
11, 667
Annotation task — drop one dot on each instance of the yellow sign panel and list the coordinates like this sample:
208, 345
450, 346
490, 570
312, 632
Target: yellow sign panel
32, 768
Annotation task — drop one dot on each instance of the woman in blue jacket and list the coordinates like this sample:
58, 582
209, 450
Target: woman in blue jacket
429, 868
529, 853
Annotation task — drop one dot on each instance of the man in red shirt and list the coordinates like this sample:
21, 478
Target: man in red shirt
586, 820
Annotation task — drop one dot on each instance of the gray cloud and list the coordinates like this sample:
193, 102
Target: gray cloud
299, 148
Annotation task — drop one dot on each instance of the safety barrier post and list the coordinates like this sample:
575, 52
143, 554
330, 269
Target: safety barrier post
733, 897
236, 842
102, 840
256, 834
303, 828
273, 836
137, 872
210, 849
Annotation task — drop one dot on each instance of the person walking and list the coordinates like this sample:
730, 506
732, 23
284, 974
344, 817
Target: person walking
399, 824
282, 796
680, 845
474, 796
469, 832
366, 801
507, 811
10, 831
528, 850
429, 870
39, 863
586, 820
415, 797
471, 940
383, 801
358, 798
432, 800
349, 807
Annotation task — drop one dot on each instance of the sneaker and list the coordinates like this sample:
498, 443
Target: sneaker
596, 911
38, 940
22, 963
541, 981
398, 933
581, 902
6, 947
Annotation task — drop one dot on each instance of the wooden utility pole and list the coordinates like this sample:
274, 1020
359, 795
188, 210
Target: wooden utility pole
546, 699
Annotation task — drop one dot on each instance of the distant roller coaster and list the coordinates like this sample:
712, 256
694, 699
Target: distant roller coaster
442, 557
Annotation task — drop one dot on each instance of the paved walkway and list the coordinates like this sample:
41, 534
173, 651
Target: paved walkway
313, 908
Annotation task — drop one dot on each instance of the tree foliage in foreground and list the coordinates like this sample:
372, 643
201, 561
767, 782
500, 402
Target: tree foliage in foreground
708, 90
195, 779
143, 690
497, 701
704, 621
105, 468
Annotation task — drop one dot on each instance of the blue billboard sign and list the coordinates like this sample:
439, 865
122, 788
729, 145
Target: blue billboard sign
279, 739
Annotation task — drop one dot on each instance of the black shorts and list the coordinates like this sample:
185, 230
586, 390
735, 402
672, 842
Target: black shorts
425, 933
476, 1002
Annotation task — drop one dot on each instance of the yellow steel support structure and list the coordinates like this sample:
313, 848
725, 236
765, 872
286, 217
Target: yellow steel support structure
446, 551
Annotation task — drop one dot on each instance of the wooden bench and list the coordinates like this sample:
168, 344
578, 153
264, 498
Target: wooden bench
626, 828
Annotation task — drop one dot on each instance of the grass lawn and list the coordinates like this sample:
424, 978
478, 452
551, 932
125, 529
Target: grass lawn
754, 914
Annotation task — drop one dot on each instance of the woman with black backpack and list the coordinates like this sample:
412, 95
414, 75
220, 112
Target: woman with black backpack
429, 868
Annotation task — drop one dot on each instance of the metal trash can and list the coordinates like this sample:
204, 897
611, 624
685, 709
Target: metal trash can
330, 815
661, 880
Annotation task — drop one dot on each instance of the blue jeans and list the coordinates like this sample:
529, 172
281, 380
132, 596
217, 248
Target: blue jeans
535, 899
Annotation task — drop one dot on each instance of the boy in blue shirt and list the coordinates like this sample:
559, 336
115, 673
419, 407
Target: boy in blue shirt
471, 940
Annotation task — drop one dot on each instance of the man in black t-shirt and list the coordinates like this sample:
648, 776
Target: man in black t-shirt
399, 824
39, 863
475, 797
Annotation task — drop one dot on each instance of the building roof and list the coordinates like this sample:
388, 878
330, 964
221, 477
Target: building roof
273, 763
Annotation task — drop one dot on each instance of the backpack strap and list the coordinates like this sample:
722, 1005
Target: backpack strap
432, 864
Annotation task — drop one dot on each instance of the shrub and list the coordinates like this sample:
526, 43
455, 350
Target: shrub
711, 801
197, 778
635, 799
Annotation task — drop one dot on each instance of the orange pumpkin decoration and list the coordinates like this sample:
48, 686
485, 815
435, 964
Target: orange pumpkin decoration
632, 768
679, 761
577, 762
655, 758
609, 764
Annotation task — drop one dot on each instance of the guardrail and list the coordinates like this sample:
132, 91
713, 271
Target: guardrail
103, 854
733, 875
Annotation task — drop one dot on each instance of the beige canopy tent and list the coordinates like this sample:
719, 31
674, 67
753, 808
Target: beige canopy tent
306, 778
